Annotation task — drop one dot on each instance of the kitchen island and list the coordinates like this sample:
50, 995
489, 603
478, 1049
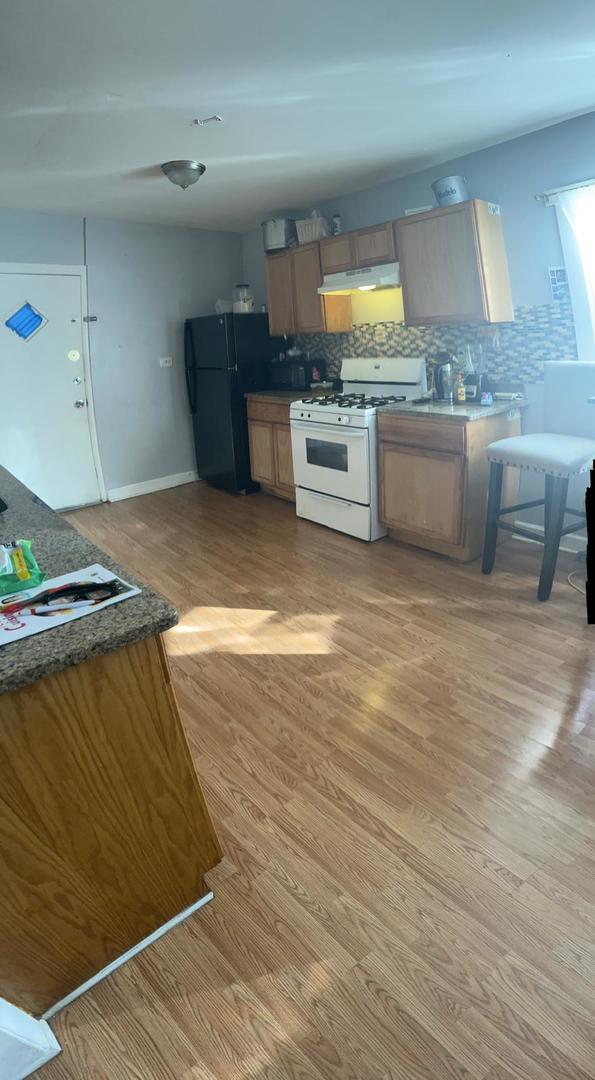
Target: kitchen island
105, 835
433, 472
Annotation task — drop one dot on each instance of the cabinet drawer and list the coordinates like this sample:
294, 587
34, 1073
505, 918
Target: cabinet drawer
272, 411
424, 432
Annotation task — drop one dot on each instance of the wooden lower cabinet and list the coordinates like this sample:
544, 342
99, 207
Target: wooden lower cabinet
262, 452
104, 830
434, 479
283, 457
271, 460
424, 493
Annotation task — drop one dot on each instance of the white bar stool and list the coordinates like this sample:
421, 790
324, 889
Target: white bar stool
557, 457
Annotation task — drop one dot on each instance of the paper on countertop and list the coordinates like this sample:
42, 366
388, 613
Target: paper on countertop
22, 624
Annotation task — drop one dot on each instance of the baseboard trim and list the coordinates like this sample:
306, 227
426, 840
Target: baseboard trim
147, 486
25, 1044
573, 543
115, 964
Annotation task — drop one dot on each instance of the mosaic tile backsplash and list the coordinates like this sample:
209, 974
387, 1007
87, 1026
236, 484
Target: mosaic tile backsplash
514, 351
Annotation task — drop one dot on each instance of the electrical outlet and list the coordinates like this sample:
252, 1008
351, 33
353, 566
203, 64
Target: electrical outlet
166, 361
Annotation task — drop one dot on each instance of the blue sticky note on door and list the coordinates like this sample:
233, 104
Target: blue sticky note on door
26, 322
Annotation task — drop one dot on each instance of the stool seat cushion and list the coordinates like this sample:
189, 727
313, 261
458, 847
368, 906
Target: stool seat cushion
556, 455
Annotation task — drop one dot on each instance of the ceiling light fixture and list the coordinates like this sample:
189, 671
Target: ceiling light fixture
183, 173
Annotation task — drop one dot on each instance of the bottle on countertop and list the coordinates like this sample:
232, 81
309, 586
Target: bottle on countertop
460, 391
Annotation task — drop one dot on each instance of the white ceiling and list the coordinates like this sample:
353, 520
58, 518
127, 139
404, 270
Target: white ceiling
319, 97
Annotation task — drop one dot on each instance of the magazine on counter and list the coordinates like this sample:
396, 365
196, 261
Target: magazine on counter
60, 600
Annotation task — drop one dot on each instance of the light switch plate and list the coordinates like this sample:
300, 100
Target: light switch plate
166, 361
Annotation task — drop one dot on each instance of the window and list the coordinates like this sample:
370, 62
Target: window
575, 209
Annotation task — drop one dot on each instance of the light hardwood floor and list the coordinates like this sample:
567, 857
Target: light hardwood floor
399, 755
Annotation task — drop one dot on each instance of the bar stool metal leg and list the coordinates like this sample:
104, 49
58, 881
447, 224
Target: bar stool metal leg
493, 512
555, 524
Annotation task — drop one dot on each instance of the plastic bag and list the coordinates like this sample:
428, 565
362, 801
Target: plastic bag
18, 568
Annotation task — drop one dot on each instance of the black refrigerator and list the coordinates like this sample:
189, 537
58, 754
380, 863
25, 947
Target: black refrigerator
225, 357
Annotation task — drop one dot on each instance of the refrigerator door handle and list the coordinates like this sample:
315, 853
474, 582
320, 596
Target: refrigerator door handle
189, 366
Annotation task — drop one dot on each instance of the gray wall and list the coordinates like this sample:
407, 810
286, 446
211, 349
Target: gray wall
510, 174
143, 280
40, 238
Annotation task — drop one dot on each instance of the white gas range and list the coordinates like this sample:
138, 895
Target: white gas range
334, 442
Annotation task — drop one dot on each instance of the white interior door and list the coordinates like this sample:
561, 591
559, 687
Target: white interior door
46, 419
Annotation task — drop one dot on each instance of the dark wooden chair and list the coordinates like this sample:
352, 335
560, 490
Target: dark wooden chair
558, 458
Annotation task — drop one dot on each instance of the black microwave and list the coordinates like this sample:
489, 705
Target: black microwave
296, 374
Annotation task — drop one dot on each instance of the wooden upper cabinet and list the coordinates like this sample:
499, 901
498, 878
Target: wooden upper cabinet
365, 247
337, 253
374, 245
307, 276
280, 293
453, 265
295, 305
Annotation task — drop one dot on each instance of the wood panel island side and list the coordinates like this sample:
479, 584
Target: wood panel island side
105, 835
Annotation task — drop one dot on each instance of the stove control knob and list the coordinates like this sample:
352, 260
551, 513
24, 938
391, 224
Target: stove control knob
301, 414
309, 415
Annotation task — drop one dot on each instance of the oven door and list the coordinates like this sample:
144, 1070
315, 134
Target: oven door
331, 460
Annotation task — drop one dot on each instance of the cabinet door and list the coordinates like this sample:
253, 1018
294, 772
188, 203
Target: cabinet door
283, 456
440, 267
262, 452
307, 276
421, 491
280, 293
375, 245
337, 253
493, 261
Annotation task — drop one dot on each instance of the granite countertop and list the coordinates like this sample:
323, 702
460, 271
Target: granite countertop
60, 549
443, 411
283, 397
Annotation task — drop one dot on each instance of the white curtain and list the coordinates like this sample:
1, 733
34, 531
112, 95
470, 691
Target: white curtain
576, 220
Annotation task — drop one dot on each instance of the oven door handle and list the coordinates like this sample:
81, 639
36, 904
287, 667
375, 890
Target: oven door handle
325, 429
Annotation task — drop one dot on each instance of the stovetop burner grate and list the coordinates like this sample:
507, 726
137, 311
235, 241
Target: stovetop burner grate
354, 401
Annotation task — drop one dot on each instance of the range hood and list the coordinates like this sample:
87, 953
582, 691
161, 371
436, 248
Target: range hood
387, 276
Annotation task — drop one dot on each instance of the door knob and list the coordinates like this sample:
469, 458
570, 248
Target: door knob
79, 403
